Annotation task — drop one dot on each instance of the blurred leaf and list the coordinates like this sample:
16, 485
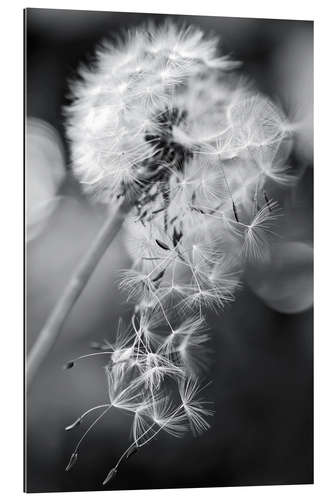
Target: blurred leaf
293, 71
45, 170
285, 282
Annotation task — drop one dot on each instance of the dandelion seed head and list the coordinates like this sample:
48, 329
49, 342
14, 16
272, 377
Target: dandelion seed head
131, 105
161, 117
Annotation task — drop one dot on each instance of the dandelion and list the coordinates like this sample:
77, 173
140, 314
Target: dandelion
135, 84
164, 133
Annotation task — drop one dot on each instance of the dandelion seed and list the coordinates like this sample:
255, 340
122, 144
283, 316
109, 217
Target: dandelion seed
124, 396
185, 330
259, 232
155, 367
193, 406
167, 417
142, 425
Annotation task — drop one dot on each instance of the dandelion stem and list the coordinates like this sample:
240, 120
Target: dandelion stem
53, 325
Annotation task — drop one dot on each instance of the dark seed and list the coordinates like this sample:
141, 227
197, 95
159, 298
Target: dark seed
199, 210
73, 425
176, 237
267, 201
69, 365
72, 462
162, 244
157, 211
235, 211
110, 476
131, 452
159, 276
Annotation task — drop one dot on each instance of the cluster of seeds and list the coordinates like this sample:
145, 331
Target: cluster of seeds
161, 119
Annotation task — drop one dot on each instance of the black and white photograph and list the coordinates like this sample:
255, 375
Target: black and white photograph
168, 177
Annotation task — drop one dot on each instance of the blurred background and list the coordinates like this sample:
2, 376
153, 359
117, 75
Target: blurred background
262, 345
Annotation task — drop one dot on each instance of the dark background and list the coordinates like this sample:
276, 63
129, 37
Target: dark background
262, 366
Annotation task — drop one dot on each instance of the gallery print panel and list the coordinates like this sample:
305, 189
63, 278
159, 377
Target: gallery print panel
169, 251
